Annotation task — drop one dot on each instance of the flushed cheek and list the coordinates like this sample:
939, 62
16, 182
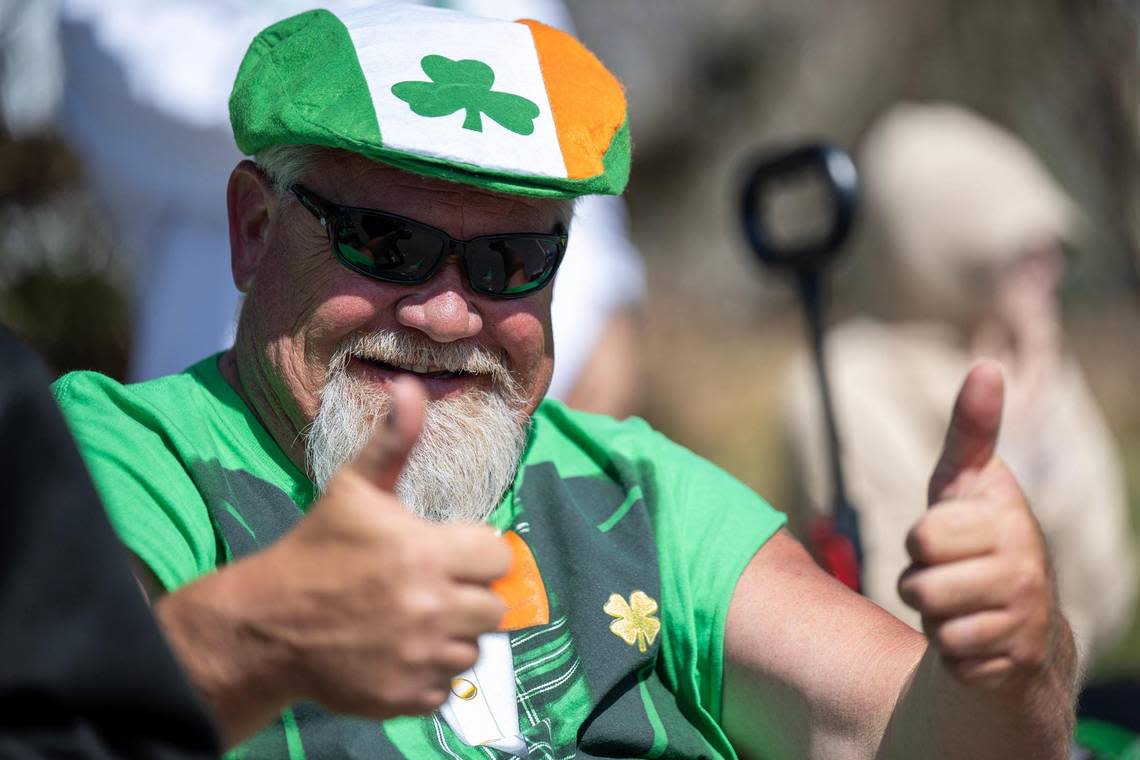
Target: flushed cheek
320, 326
526, 338
339, 316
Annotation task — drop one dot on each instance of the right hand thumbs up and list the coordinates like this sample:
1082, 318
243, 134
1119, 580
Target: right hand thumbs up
383, 458
378, 608
362, 606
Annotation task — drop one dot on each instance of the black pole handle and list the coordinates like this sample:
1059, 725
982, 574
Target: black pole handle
821, 161
835, 538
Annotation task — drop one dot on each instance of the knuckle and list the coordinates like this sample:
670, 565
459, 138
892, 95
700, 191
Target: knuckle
430, 699
919, 594
420, 559
946, 638
464, 657
1029, 581
409, 699
904, 586
500, 555
918, 542
998, 671
426, 608
413, 653
1028, 655
980, 673
493, 550
495, 608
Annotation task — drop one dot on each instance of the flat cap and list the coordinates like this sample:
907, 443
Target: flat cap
511, 106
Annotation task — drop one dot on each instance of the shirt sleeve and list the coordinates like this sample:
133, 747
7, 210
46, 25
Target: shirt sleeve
131, 453
708, 526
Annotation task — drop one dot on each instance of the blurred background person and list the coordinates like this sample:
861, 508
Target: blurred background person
147, 85
971, 235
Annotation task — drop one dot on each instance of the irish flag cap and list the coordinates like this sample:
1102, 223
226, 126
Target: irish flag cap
516, 107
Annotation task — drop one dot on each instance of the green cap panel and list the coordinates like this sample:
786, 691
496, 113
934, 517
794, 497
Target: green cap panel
512, 126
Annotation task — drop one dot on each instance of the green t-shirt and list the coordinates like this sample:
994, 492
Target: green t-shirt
191, 480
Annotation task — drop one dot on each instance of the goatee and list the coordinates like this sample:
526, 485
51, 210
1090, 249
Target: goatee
469, 450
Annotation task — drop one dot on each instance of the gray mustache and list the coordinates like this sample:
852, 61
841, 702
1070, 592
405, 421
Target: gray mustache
407, 350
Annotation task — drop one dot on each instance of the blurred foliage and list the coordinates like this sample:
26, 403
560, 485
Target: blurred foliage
58, 288
74, 321
35, 169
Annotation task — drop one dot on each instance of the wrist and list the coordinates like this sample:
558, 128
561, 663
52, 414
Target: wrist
241, 671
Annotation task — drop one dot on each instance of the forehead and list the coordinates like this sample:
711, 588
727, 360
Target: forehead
460, 210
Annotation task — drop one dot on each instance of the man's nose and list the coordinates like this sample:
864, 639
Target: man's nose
441, 308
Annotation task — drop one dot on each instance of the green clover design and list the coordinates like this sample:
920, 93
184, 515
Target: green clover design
466, 85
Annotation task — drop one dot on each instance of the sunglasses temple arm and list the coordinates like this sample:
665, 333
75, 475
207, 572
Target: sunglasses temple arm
315, 207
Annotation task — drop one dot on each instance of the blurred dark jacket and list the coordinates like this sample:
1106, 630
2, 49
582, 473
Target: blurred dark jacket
84, 670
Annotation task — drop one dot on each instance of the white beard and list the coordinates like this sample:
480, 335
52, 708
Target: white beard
470, 446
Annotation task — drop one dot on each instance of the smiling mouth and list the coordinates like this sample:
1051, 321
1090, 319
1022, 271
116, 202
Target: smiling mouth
423, 372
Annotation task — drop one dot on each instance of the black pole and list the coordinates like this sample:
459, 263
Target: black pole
846, 520
835, 535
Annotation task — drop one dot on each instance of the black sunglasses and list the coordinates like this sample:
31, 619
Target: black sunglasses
394, 249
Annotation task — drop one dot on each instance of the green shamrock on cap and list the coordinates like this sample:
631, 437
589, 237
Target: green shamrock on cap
466, 85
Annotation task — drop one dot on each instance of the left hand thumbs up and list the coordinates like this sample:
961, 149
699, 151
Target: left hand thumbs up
972, 435
980, 575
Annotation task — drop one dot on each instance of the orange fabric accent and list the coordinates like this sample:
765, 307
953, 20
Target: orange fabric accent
585, 98
522, 588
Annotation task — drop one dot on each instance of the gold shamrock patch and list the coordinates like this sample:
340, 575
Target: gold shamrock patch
635, 623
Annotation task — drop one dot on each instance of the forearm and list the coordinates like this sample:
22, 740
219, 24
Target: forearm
234, 666
938, 717
361, 608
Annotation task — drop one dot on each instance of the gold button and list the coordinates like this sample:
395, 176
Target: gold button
463, 688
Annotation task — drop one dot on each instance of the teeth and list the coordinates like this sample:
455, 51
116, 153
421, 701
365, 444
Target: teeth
419, 369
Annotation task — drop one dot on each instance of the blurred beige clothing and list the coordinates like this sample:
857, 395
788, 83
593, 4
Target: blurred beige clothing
894, 388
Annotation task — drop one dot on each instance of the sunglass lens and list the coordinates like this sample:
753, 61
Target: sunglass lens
511, 266
388, 248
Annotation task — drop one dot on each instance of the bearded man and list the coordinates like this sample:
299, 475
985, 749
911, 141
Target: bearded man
366, 534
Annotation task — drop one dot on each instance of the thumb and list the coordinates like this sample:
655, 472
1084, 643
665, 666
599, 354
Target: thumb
973, 432
382, 459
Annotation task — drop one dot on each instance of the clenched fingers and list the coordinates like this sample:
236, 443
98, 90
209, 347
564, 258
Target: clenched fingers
957, 588
476, 610
952, 531
982, 635
456, 656
475, 553
987, 672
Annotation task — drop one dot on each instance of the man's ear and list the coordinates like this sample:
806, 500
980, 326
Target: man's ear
251, 202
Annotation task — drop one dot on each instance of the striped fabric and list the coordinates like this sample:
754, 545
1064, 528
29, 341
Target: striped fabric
547, 673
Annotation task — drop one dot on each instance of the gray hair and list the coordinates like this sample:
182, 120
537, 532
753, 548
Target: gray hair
285, 165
